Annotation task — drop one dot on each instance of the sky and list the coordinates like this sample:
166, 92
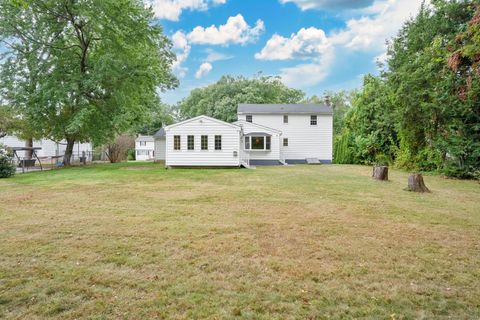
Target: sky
313, 45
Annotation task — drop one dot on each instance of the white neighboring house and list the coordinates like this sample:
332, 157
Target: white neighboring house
49, 148
265, 134
203, 142
306, 130
144, 148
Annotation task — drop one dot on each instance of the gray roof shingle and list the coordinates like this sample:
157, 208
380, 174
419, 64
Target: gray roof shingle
160, 133
284, 108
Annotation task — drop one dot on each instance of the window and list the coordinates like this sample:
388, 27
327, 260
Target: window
143, 152
258, 143
190, 142
143, 143
285, 119
285, 142
204, 142
247, 143
218, 142
249, 118
176, 142
313, 120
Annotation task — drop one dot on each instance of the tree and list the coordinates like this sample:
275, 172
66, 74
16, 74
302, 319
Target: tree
161, 116
423, 111
7, 121
82, 70
117, 150
220, 100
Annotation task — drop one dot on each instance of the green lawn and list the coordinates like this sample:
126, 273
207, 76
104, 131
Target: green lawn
135, 241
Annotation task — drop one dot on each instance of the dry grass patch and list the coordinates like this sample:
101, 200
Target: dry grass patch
113, 241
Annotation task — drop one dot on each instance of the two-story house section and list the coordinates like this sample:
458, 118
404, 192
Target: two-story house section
144, 148
306, 129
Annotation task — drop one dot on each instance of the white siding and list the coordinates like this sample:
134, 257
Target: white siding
211, 157
304, 140
49, 147
274, 153
160, 149
144, 152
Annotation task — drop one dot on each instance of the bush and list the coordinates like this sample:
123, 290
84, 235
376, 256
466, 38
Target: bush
7, 167
341, 148
131, 155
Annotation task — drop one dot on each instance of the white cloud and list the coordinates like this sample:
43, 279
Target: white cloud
182, 50
308, 74
235, 31
172, 9
377, 23
213, 56
306, 43
370, 32
329, 4
203, 70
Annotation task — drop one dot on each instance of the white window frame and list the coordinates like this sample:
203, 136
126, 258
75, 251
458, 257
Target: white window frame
192, 141
249, 144
204, 138
285, 117
313, 118
285, 142
143, 143
249, 116
179, 142
215, 142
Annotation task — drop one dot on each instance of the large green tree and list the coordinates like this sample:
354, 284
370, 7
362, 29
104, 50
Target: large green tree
220, 100
82, 70
7, 121
423, 111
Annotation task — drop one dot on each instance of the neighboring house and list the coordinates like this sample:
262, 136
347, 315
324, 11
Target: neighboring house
306, 129
265, 134
160, 148
49, 148
144, 148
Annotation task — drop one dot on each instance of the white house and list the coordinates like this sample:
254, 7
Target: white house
306, 130
261, 144
49, 148
265, 134
144, 148
203, 141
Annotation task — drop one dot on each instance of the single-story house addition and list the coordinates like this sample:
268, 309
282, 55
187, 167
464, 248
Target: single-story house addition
264, 135
203, 142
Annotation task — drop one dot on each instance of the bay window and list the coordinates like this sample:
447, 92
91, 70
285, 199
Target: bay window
258, 142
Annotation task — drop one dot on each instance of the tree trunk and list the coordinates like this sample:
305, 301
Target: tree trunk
68, 152
416, 184
29, 153
380, 173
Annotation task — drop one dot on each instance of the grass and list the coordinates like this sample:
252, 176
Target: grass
134, 241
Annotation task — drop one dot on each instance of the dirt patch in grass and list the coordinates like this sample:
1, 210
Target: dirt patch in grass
277, 242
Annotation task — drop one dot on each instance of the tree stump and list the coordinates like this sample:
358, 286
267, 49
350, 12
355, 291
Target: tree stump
380, 173
416, 184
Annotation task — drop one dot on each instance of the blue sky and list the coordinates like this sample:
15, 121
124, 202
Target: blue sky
314, 45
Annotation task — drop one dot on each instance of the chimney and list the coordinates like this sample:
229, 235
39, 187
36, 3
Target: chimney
327, 100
